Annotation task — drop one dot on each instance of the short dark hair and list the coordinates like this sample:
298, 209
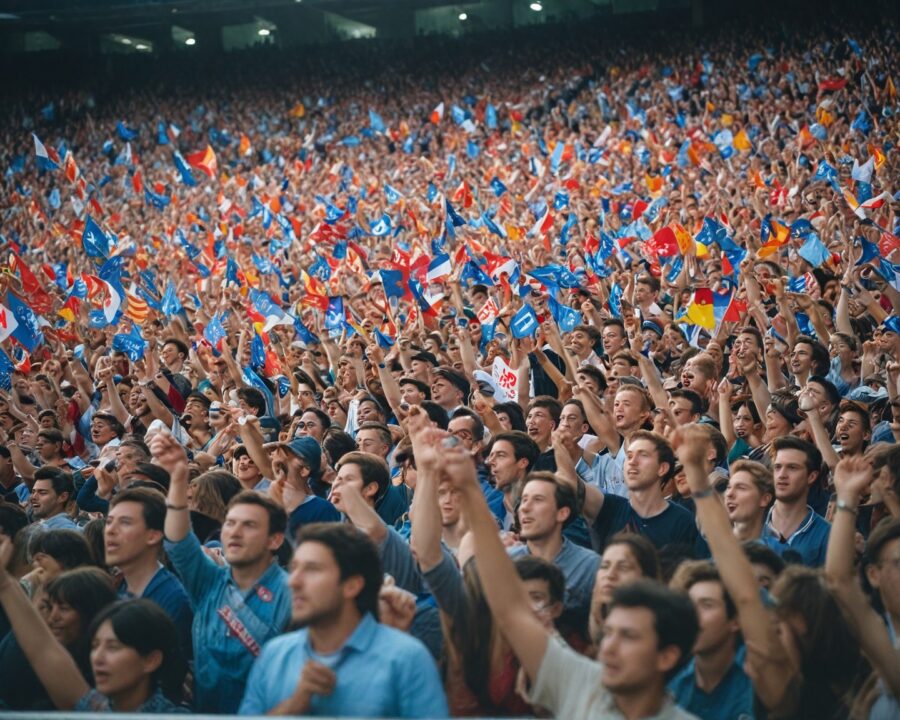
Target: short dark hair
648, 279
12, 519
114, 423
382, 430
67, 547
354, 553
277, 516
691, 572
514, 411
752, 330
52, 435
675, 619
182, 348
759, 554
375, 401
337, 443
531, 567
791, 442
320, 414
477, 422
373, 469
821, 359
61, 480
436, 413
618, 323
697, 404
834, 395
595, 374
548, 403
254, 398
523, 446
152, 502
563, 494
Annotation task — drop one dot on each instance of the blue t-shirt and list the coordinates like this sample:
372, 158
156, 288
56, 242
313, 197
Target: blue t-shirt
809, 541
393, 505
674, 525
731, 699
313, 509
166, 590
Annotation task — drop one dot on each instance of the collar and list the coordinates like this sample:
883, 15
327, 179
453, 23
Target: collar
805, 524
263, 583
360, 639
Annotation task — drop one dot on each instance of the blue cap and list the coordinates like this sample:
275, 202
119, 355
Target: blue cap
308, 450
867, 395
650, 325
892, 324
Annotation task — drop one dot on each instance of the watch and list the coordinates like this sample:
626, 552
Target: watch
846, 507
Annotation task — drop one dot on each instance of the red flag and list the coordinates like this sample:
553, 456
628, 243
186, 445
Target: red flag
204, 161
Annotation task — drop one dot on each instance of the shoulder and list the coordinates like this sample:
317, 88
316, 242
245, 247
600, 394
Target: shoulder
278, 647
400, 647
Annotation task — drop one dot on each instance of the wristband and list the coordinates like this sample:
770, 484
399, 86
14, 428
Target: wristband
700, 494
170, 506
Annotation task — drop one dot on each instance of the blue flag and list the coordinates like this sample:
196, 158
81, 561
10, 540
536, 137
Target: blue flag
187, 176
303, 332
490, 117
497, 186
160, 202
814, 250
28, 332
214, 331
383, 340
567, 318
524, 322
334, 315
392, 194
381, 227
375, 122
257, 352
124, 132
94, 240
170, 304
132, 344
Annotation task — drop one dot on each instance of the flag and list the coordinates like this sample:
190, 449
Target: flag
524, 322
8, 322
132, 344
488, 312
270, 311
438, 268
437, 114
156, 199
137, 309
125, 133
94, 241
112, 303
700, 310
27, 329
474, 272
741, 141
187, 177
543, 224
727, 308
556, 157
381, 227
392, 194
244, 147
566, 317
497, 186
814, 250
214, 331
427, 303
204, 161
170, 304
490, 117
375, 122
825, 172
47, 158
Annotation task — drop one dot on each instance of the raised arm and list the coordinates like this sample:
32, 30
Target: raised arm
768, 665
563, 447
852, 479
505, 593
169, 454
255, 444
808, 405
50, 661
425, 538
726, 421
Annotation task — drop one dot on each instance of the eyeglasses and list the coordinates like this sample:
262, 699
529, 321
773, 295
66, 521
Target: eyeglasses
462, 434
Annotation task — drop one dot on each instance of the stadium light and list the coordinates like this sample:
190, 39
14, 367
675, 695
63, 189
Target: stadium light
125, 41
263, 32
463, 17
141, 46
536, 6
190, 41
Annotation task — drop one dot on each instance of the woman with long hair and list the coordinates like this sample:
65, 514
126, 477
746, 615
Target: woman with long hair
53, 552
70, 603
135, 656
626, 558
208, 496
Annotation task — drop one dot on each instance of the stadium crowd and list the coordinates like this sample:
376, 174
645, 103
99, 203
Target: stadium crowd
557, 375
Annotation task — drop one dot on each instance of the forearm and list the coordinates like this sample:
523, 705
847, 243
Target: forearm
159, 410
178, 519
822, 441
253, 441
425, 537
726, 422
364, 517
21, 463
760, 394
115, 402
842, 314
391, 387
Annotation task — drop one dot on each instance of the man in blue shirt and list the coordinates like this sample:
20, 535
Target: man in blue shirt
237, 607
51, 494
792, 525
342, 662
133, 538
547, 505
713, 686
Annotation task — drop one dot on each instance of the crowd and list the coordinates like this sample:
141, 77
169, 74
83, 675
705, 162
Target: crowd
555, 375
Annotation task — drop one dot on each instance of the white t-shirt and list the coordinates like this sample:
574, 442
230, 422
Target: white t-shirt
568, 685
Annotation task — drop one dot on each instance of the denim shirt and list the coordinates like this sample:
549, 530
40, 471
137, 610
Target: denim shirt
381, 672
166, 590
230, 625
60, 521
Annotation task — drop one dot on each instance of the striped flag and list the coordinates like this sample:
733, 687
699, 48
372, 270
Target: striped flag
137, 310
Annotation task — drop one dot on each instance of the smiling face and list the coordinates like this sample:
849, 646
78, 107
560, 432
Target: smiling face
64, 622
851, 432
743, 499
